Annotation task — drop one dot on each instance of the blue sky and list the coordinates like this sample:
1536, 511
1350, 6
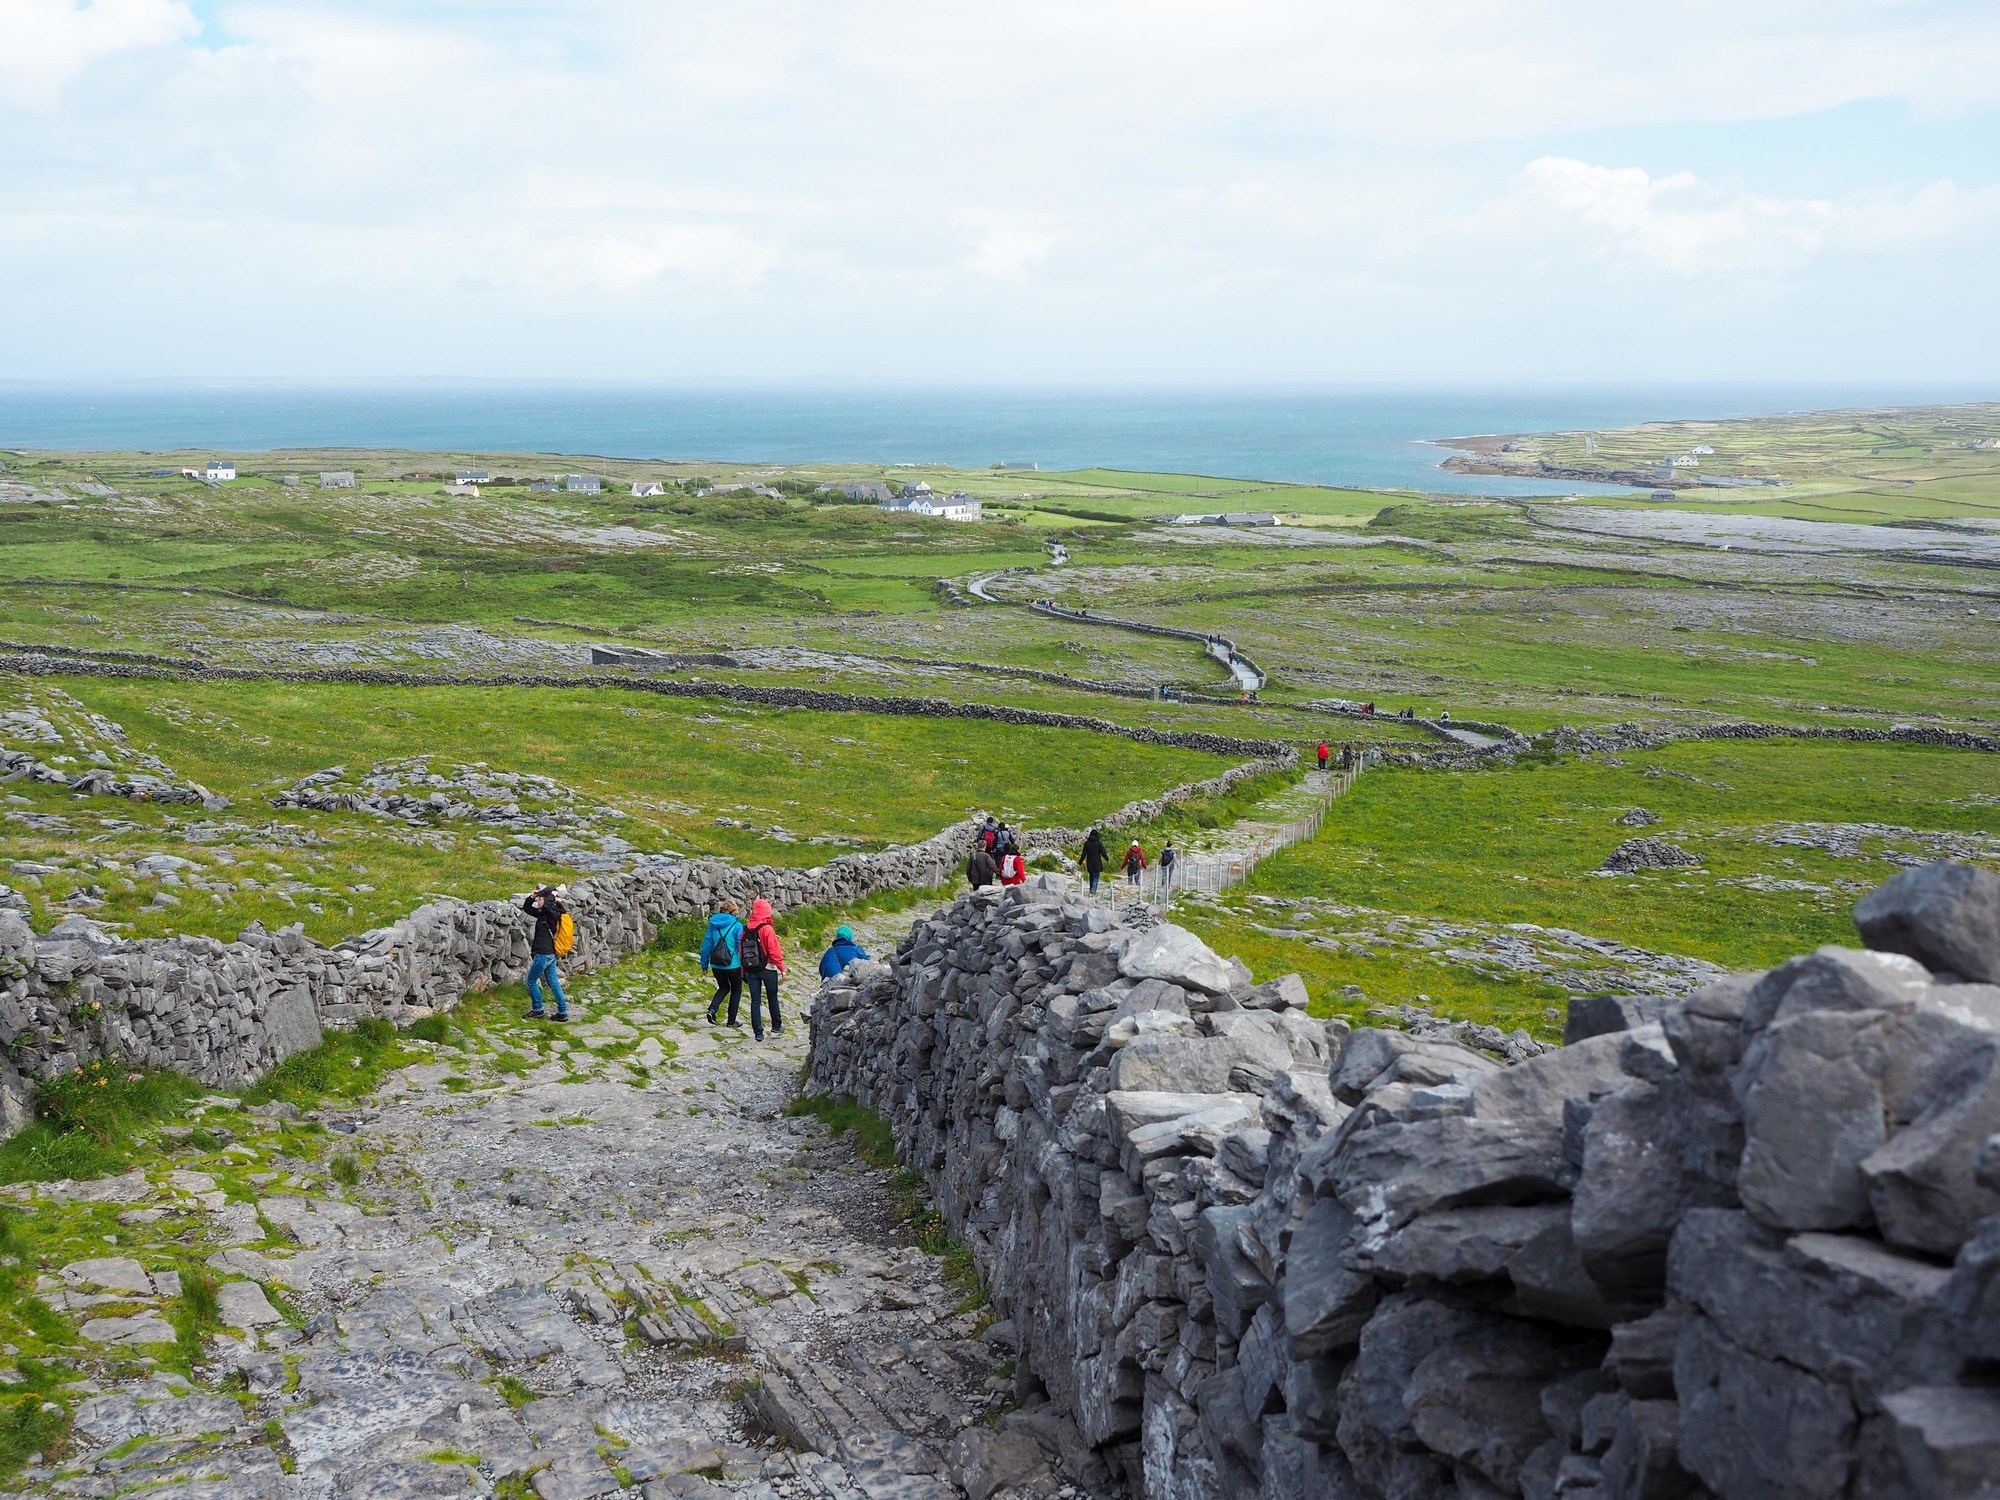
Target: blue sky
1060, 191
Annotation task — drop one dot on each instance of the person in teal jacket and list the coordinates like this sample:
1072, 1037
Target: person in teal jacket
842, 952
722, 957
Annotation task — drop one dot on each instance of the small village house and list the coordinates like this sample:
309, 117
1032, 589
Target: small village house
472, 476
337, 479
646, 489
583, 484
463, 491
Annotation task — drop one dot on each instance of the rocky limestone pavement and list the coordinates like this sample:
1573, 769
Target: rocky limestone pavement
1739, 1242
593, 1262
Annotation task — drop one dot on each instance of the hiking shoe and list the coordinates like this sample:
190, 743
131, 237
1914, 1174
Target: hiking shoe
777, 1031
711, 1015
537, 1014
561, 1016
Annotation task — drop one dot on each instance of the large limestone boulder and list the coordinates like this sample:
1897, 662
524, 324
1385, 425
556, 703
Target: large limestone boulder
1946, 915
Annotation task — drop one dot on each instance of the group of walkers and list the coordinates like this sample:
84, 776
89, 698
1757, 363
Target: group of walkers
995, 858
737, 953
1348, 756
1097, 859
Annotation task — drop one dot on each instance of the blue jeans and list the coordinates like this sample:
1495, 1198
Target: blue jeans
543, 966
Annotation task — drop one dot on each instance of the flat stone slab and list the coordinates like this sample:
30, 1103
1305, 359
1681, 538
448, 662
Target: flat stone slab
244, 1305
146, 1328
112, 1273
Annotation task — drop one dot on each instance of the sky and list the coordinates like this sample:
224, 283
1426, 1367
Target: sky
1251, 192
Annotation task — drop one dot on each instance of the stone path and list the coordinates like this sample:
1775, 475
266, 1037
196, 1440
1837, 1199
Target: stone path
582, 1263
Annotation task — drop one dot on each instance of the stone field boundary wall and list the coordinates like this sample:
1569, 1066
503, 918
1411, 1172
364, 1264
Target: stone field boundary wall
1744, 1243
228, 1012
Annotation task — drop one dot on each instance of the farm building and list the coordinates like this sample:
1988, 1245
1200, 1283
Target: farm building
957, 506
337, 479
464, 491
1249, 518
645, 489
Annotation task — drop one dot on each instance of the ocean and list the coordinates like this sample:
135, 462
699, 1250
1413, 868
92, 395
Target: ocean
1373, 438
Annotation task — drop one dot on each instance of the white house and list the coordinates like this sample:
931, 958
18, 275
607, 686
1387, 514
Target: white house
219, 470
1686, 461
1702, 448
645, 489
472, 476
336, 479
957, 506
583, 484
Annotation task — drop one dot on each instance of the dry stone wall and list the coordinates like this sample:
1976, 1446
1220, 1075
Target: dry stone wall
1743, 1244
227, 1013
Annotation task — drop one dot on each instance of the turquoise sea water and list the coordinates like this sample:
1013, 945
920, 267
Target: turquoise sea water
1359, 436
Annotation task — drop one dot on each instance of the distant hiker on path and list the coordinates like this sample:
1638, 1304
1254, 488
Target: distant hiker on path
1444, 717
989, 837
841, 952
1013, 869
1095, 858
1169, 858
1135, 863
762, 960
722, 956
548, 913
1323, 753
980, 868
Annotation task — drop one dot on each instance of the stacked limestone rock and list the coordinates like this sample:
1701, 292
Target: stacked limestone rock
227, 1013
1746, 1243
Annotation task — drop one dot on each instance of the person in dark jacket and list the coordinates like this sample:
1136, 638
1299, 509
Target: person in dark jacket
1095, 858
980, 868
840, 953
722, 957
547, 912
1169, 858
763, 960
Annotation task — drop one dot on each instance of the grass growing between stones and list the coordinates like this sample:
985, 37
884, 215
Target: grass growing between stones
87, 1122
874, 1143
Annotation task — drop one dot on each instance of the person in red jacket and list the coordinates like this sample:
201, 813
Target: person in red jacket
1013, 869
1323, 754
1135, 863
763, 961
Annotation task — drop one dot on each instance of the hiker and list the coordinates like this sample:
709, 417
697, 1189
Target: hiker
1323, 753
547, 911
1444, 717
762, 959
841, 952
989, 836
1013, 869
980, 868
722, 957
1169, 857
1135, 862
1095, 858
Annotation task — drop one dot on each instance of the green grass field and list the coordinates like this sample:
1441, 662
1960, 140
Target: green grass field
1525, 843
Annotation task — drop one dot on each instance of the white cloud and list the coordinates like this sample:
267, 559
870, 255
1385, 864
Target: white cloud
1272, 181
44, 44
1681, 224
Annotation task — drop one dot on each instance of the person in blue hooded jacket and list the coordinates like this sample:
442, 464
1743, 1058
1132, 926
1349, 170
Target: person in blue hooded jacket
843, 951
722, 957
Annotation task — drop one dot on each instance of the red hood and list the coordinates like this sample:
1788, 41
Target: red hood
760, 912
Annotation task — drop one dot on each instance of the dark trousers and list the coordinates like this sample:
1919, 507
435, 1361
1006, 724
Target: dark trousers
728, 982
1095, 876
764, 984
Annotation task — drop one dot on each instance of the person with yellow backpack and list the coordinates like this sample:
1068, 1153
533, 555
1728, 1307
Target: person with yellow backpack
555, 936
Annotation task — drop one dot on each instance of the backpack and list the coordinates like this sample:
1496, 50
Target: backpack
752, 956
565, 935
